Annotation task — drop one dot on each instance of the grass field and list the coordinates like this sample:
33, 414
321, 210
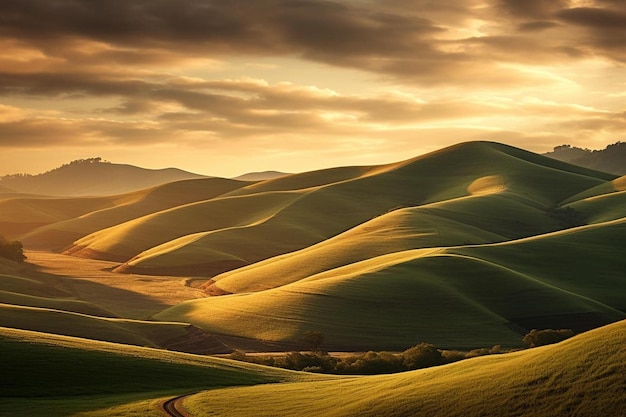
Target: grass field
583, 376
54, 375
70, 227
467, 247
465, 296
464, 179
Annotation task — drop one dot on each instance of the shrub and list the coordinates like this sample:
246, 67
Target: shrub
11, 250
421, 356
546, 337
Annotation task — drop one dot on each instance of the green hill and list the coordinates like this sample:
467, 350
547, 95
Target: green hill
580, 376
467, 296
54, 375
65, 230
583, 376
326, 203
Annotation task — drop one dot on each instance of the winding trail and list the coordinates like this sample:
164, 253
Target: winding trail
173, 407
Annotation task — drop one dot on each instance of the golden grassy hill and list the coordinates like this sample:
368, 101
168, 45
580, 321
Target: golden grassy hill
583, 376
580, 376
72, 225
327, 203
466, 296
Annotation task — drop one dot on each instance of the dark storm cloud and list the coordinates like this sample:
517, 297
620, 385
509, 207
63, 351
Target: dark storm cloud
263, 26
409, 40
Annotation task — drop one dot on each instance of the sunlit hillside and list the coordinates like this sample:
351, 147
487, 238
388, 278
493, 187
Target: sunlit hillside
301, 210
581, 376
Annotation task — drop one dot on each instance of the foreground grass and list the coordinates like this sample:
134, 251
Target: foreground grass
51, 375
583, 376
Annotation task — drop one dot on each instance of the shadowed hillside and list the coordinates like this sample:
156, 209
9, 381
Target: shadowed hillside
92, 177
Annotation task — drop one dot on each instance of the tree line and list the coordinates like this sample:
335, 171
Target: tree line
420, 356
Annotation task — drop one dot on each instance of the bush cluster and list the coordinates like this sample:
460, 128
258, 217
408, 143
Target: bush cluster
546, 337
11, 250
420, 356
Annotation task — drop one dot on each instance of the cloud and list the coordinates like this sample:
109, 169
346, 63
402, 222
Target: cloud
419, 42
604, 29
81, 73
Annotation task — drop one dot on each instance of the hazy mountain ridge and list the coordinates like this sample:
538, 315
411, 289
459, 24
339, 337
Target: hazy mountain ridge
611, 159
93, 176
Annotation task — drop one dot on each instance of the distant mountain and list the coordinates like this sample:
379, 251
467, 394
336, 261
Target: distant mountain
260, 176
612, 159
92, 176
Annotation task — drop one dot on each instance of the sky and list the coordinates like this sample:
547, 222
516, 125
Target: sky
227, 87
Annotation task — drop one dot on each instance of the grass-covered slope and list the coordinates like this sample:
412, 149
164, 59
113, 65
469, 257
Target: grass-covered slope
21, 215
54, 375
124, 241
62, 233
326, 207
469, 296
481, 218
583, 376
173, 336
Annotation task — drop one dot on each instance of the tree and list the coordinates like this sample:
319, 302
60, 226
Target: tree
420, 356
11, 250
313, 339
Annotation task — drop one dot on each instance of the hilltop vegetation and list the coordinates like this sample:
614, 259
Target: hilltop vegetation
611, 159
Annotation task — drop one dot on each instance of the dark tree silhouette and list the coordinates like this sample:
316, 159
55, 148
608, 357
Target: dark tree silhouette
11, 250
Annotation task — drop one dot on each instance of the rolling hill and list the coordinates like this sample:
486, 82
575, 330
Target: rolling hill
458, 297
580, 376
89, 177
41, 376
260, 176
66, 225
312, 207
473, 243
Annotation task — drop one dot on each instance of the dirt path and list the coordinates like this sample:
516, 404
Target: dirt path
126, 295
174, 406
